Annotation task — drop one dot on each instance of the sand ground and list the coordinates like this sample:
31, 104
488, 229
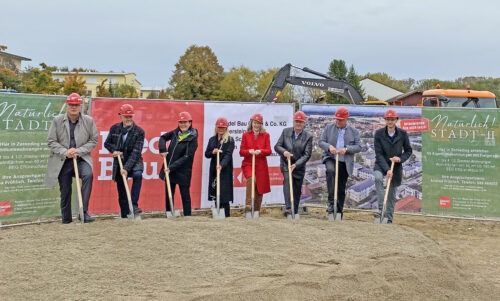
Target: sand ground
271, 258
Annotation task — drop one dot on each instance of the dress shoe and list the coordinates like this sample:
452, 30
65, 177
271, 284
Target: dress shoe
88, 218
66, 221
137, 210
330, 208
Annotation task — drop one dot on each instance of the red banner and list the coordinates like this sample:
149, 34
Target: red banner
156, 118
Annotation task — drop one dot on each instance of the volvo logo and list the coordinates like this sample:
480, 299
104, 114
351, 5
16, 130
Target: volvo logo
312, 84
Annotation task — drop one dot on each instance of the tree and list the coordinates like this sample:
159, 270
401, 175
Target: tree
125, 91
74, 84
338, 69
353, 79
9, 79
239, 84
40, 81
197, 75
102, 90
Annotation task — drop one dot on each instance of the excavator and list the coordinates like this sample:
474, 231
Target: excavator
326, 83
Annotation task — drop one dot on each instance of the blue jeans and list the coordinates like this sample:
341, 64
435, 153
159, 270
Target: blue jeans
391, 198
135, 192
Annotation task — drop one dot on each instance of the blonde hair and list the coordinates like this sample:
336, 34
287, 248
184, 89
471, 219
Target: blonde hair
225, 137
249, 127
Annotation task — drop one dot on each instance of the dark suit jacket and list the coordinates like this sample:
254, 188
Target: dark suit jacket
301, 148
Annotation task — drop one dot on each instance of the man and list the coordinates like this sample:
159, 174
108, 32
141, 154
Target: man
71, 135
391, 145
294, 143
126, 139
339, 138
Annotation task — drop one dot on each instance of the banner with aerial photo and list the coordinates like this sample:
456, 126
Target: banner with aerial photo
461, 161
361, 185
24, 123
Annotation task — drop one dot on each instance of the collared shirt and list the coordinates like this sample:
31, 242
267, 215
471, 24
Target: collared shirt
340, 143
296, 136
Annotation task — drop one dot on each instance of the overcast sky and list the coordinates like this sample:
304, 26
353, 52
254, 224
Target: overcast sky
418, 39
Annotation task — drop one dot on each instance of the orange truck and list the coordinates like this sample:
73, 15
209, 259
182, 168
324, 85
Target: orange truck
455, 98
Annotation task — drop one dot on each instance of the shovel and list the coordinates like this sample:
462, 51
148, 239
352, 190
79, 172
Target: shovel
335, 215
293, 215
169, 191
79, 188
252, 214
382, 219
131, 215
216, 213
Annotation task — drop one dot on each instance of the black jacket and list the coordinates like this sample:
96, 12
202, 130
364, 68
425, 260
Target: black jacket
301, 148
180, 155
131, 148
386, 149
226, 173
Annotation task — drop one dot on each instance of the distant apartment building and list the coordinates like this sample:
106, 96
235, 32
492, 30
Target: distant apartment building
94, 79
361, 190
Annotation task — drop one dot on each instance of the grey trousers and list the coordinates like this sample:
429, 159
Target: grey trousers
391, 198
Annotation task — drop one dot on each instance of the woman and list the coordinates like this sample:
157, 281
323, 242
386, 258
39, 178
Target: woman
255, 141
180, 156
223, 142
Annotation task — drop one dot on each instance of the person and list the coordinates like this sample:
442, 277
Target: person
126, 139
223, 142
391, 145
180, 156
71, 135
294, 143
255, 141
342, 139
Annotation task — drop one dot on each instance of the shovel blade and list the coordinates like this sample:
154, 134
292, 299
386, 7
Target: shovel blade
295, 216
176, 213
336, 217
218, 214
377, 220
248, 215
134, 217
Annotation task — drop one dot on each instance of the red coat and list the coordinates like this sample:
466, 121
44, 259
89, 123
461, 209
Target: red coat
263, 142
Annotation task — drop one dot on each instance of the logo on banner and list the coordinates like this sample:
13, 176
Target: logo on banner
238, 178
6, 208
444, 202
275, 177
415, 125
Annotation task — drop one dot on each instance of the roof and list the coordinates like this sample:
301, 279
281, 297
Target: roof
409, 204
22, 58
404, 95
362, 185
459, 93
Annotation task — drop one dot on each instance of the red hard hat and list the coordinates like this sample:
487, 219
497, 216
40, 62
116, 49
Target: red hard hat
74, 99
299, 116
341, 113
391, 114
126, 110
257, 117
221, 122
184, 116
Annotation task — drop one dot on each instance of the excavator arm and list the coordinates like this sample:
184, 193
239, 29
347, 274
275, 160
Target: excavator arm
326, 83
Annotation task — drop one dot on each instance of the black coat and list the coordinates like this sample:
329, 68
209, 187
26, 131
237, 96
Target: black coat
226, 173
386, 149
301, 148
180, 155
131, 148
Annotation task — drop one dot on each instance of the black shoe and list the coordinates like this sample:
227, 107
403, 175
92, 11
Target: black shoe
137, 210
88, 218
67, 221
330, 208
